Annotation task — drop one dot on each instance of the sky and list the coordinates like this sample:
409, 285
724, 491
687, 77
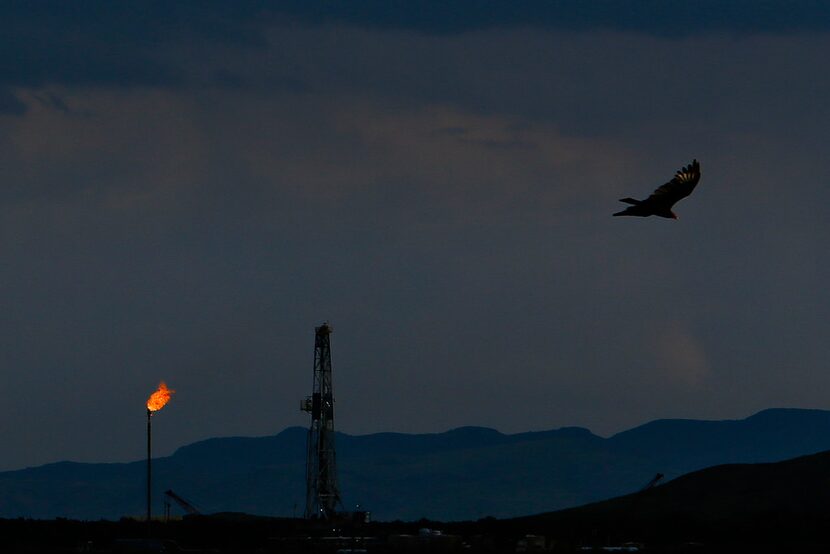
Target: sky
188, 189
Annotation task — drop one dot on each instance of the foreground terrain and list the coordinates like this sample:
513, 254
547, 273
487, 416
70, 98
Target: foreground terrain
776, 507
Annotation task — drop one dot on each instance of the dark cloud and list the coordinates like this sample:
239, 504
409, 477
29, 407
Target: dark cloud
121, 43
53, 101
128, 43
10, 104
676, 18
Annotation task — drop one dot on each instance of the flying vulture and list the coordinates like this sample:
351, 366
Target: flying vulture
661, 200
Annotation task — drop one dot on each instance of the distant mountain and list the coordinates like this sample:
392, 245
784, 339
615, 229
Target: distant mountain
466, 473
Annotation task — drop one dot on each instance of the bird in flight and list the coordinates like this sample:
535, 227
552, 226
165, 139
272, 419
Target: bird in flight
661, 200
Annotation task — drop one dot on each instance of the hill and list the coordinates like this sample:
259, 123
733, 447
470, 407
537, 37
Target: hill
766, 504
466, 473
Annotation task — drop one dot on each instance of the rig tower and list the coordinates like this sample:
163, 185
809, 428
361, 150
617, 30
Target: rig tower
322, 493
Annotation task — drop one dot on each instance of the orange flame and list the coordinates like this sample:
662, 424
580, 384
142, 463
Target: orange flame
159, 398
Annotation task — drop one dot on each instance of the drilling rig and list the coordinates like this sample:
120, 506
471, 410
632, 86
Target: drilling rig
322, 493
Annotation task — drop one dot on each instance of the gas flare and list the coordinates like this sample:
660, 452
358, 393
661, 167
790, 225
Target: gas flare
159, 398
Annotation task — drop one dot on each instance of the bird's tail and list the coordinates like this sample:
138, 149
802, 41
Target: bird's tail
631, 201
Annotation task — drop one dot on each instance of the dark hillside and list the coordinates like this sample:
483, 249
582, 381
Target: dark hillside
749, 503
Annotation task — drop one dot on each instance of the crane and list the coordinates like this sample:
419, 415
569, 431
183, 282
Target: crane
651, 484
186, 506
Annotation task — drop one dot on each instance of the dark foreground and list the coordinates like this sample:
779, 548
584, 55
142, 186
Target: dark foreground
244, 534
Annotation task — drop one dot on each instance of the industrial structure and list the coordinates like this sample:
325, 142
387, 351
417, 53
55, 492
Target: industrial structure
653, 483
156, 402
170, 496
322, 493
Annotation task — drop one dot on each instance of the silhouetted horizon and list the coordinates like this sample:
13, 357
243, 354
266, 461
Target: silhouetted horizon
403, 476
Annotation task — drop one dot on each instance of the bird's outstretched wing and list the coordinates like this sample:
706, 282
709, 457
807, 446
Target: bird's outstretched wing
679, 187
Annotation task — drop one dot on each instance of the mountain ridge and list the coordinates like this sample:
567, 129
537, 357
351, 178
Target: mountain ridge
464, 473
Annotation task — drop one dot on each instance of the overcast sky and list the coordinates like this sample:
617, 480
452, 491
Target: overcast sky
187, 191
